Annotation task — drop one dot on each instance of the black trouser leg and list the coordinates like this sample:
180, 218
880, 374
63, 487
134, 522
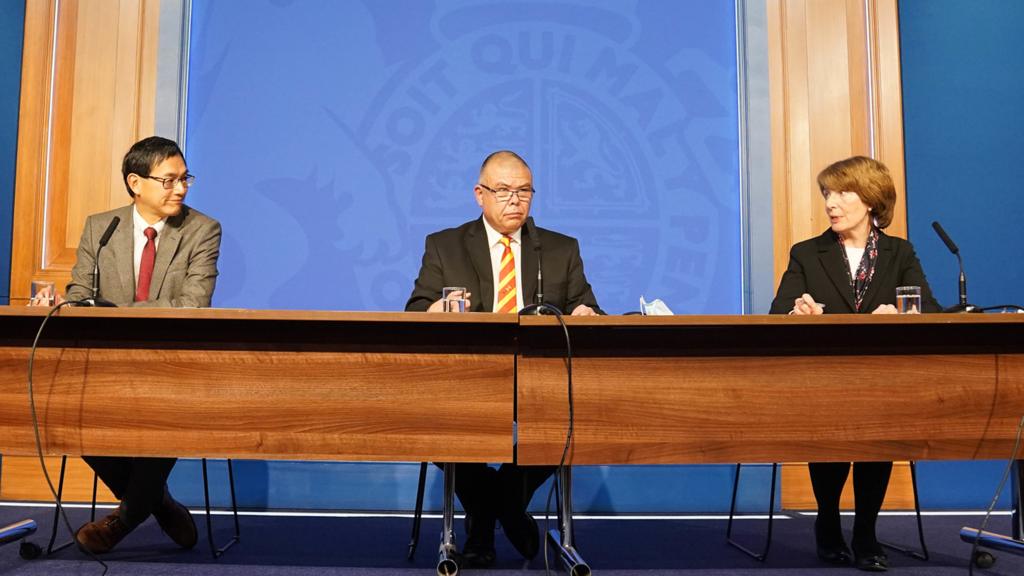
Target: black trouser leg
870, 482
518, 484
140, 483
113, 470
475, 485
827, 480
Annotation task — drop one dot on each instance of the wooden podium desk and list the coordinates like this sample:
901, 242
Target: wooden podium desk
703, 389
260, 384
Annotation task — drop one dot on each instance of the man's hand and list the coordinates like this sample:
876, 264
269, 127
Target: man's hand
42, 298
583, 310
439, 305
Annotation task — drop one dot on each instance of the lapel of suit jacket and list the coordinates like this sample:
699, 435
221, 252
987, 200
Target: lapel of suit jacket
835, 266
166, 249
480, 256
528, 267
882, 270
122, 250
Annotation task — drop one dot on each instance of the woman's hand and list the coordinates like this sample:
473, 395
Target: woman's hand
805, 305
885, 309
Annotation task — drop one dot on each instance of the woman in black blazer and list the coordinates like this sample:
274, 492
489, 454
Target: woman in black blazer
852, 268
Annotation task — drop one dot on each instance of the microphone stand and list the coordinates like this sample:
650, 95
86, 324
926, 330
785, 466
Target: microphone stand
538, 307
95, 300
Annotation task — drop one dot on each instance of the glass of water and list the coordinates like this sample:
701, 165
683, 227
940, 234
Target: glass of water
908, 299
44, 293
454, 298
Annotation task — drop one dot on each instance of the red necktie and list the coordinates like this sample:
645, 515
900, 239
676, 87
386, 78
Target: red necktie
146, 266
506, 280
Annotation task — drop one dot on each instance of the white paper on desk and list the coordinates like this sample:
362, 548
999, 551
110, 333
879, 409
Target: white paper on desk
654, 308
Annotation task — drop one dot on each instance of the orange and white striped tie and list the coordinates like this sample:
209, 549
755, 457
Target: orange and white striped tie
506, 280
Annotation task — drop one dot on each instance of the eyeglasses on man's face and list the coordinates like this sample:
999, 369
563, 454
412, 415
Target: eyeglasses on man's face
169, 183
505, 194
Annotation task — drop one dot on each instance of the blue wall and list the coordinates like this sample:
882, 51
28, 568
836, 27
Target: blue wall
962, 86
331, 137
12, 30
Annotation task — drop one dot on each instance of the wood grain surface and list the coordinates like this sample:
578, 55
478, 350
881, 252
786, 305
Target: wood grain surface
380, 387
771, 388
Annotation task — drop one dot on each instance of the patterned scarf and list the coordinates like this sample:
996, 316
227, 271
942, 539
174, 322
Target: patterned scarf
865, 270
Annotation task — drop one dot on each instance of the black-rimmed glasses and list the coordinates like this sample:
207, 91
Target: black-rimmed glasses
168, 183
505, 194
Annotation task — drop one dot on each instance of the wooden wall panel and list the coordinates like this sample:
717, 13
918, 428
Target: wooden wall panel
88, 93
835, 90
22, 479
797, 493
835, 93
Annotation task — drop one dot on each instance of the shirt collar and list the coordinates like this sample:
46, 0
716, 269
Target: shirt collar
494, 237
140, 223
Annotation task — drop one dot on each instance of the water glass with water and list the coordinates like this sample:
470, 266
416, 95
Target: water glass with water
908, 299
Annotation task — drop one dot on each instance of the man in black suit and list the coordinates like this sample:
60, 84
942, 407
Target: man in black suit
493, 258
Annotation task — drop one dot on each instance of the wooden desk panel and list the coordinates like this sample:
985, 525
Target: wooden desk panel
771, 388
258, 384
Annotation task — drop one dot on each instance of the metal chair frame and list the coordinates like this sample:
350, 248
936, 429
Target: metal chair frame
214, 549
921, 554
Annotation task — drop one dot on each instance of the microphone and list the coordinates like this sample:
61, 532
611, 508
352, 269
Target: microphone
538, 306
95, 299
538, 297
963, 306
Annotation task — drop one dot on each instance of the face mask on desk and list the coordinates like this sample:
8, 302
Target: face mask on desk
654, 308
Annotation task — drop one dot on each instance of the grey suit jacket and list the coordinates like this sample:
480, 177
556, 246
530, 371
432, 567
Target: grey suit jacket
184, 273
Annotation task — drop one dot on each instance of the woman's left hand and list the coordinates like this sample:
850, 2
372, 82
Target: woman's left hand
885, 309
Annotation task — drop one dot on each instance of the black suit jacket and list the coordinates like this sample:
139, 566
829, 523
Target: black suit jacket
461, 257
817, 267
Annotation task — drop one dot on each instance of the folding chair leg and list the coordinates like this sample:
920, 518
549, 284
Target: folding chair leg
217, 552
923, 553
417, 515
760, 557
56, 511
50, 549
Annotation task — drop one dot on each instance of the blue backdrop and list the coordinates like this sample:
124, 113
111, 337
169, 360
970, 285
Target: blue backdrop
331, 137
961, 66
12, 30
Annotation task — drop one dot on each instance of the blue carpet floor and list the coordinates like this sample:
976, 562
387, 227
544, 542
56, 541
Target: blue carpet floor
355, 546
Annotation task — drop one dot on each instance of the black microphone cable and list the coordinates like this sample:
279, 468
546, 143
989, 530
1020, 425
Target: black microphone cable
35, 430
995, 498
569, 432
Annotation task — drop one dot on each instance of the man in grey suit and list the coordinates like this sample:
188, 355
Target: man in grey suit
161, 253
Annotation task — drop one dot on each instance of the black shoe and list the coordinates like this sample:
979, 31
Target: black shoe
521, 530
478, 552
471, 557
830, 544
873, 560
835, 554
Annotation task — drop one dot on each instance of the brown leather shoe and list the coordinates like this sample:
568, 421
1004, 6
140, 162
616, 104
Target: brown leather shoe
101, 536
176, 521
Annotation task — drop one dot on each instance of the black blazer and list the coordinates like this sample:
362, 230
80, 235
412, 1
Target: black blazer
817, 267
461, 257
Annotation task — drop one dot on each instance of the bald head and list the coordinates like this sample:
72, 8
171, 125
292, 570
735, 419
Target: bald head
503, 156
